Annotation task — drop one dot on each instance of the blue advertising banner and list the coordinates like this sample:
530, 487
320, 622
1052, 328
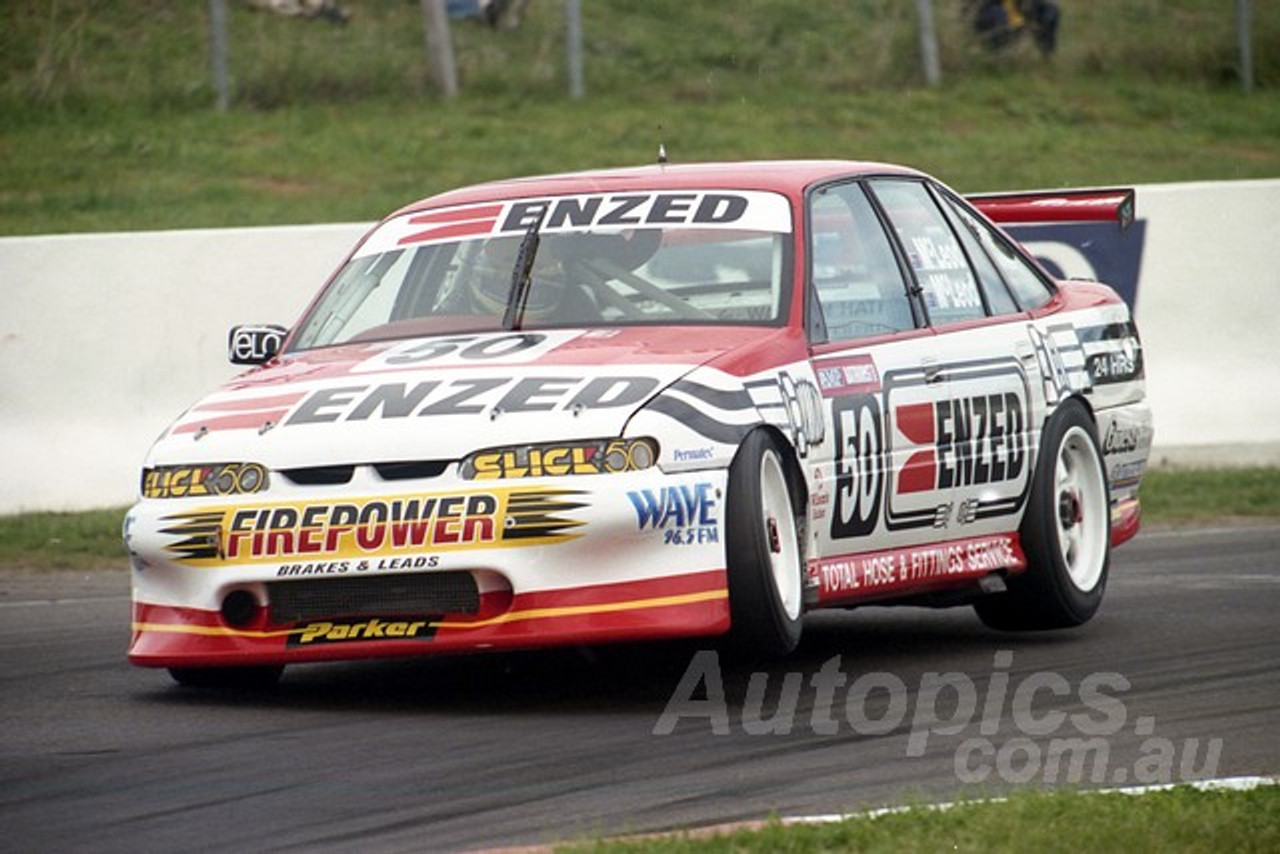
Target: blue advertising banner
1089, 250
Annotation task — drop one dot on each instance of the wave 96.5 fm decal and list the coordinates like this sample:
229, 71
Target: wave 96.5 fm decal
926, 453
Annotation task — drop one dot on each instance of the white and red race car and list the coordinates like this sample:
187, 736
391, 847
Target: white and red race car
668, 401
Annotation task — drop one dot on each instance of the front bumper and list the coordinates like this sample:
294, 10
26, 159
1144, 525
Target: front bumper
340, 573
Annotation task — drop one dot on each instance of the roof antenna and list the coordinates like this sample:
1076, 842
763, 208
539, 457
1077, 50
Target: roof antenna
662, 147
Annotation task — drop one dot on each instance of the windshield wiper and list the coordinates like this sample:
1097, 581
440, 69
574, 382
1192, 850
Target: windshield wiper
522, 275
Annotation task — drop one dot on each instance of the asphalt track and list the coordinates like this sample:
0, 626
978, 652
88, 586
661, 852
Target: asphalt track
495, 751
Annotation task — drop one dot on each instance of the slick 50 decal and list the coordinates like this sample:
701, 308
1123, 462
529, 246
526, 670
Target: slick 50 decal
367, 529
751, 210
202, 481
601, 456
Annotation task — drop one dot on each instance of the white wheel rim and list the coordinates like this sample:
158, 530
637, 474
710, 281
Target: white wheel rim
780, 534
1080, 509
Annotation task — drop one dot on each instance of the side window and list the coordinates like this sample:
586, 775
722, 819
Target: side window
852, 268
1027, 285
948, 285
979, 243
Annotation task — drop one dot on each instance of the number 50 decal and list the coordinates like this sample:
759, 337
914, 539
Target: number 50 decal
859, 465
456, 350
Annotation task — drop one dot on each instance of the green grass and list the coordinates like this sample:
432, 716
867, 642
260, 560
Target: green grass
106, 118
1172, 496
42, 541
1180, 820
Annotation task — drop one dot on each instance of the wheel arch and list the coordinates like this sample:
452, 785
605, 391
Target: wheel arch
1079, 397
1049, 414
792, 468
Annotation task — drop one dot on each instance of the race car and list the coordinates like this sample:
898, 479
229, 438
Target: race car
667, 401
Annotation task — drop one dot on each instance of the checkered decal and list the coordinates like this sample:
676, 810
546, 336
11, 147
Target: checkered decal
1061, 359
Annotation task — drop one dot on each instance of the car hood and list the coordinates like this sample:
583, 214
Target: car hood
442, 397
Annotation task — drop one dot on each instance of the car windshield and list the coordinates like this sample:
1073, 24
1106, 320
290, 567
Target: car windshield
658, 258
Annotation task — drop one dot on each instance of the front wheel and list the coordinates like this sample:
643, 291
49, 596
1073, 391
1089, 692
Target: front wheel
765, 559
1066, 533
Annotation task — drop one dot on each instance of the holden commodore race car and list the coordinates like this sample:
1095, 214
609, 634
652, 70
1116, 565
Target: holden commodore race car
656, 402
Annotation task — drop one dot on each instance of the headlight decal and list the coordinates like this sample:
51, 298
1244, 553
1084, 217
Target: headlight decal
558, 459
196, 481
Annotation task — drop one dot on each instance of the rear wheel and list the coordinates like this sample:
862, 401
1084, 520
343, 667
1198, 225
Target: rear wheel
231, 678
765, 559
1066, 533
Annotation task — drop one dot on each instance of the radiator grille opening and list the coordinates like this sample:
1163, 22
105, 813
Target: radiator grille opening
319, 475
411, 469
383, 596
342, 473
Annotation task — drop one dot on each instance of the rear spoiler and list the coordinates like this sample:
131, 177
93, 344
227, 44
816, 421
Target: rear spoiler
1112, 205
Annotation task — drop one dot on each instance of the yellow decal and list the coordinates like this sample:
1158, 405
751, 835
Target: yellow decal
369, 528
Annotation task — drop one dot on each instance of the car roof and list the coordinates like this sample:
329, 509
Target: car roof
789, 177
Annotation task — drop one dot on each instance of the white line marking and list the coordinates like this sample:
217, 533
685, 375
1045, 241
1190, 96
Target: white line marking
1234, 784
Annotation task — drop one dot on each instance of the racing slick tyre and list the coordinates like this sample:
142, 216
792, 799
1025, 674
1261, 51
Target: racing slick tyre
764, 555
1066, 533
229, 678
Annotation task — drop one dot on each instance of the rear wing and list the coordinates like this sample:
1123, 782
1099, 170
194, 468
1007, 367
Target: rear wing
1111, 205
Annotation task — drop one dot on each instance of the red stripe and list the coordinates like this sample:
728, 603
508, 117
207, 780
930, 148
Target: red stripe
914, 569
1125, 522
708, 616
462, 229
456, 215
243, 421
595, 594
251, 403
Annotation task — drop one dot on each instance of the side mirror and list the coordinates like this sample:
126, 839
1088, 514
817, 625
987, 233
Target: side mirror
255, 344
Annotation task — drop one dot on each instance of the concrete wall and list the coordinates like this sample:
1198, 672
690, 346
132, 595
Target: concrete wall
1209, 314
1208, 310
106, 338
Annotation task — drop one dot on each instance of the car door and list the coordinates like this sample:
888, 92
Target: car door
977, 445
879, 373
